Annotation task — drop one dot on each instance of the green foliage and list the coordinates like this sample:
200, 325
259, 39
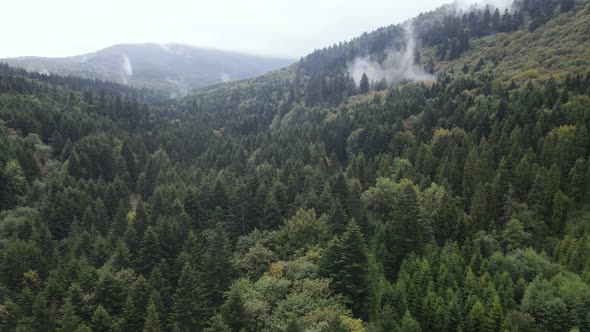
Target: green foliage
152, 319
409, 324
303, 232
292, 202
560, 303
346, 263
190, 307
101, 320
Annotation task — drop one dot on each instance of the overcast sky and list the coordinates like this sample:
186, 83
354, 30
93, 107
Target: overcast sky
286, 28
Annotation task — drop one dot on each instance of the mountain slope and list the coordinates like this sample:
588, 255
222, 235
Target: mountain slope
447, 40
559, 47
172, 67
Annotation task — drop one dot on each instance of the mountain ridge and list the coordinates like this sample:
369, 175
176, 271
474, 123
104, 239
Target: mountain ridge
173, 67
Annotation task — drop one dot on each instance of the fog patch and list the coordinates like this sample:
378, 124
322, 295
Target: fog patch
127, 68
398, 65
165, 47
224, 77
470, 5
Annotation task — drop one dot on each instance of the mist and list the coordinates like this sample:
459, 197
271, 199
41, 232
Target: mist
127, 69
398, 66
466, 5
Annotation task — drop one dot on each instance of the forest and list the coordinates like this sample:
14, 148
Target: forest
297, 201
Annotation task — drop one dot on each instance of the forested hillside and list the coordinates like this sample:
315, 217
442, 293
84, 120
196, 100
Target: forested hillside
303, 201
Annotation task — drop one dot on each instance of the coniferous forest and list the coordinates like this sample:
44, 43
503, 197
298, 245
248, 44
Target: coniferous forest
299, 201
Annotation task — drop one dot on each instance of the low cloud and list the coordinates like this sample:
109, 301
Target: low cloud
398, 65
468, 5
127, 68
224, 77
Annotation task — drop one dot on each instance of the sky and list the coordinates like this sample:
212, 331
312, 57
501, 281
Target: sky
283, 28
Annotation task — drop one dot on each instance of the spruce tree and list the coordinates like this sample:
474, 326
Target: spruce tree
347, 264
150, 252
364, 84
217, 325
101, 320
233, 311
190, 307
69, 319
152, 319
218, 266
409, 324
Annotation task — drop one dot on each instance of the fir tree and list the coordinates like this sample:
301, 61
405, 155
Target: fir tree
409, 324
218, 266
101, 320
152, 319
190, 307
364, 84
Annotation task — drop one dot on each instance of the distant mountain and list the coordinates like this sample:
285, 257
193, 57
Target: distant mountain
171, 67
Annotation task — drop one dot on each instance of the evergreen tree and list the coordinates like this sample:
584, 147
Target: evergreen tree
233, 311
578, 180
218, 266
152, 319
150, 252
476, 319
190, 307
69, 319
217, 325
347, 264
101, 320
409, 324
364, 84
514, 236
293, 326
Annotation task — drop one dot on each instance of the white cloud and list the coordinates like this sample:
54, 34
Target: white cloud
127, 68
284, 28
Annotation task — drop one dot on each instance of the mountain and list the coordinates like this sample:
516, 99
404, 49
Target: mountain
171, 67
450, 193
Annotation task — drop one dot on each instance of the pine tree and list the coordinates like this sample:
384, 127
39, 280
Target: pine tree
494, 315
101, 320
514, 236
14, 185
152, 319
135, 306
74, 165
150, 252
407, 231
271, 214
132, 320
387, 319
218, 266
233, 311
364, 84
217, 325
41, 314
578, 180
190, 307
409, 324
560, 207
347, 264
69, 319
293, 326
131, 165
476, 319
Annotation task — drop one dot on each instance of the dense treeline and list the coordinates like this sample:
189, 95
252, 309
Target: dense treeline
460, 204
323, 78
